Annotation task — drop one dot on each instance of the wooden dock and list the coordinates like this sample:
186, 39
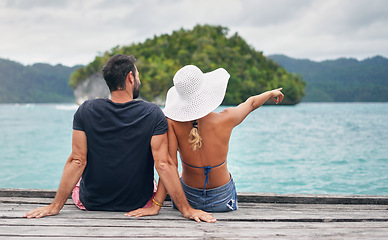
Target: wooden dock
260, 216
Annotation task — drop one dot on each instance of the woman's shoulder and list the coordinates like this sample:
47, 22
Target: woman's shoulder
224, 119
219, 117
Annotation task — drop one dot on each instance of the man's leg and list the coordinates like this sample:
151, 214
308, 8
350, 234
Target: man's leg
75, 197
149, 203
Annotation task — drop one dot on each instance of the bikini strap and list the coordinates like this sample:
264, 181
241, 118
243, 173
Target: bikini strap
207, 171
203, 167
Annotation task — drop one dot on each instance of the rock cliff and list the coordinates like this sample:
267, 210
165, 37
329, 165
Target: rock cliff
93, 87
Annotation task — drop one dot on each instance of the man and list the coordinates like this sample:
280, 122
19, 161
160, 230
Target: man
115, 143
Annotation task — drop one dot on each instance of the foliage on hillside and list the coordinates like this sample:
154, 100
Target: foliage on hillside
37, 83
208, 47
341, 80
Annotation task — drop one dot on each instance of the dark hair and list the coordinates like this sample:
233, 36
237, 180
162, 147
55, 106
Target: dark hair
116, 70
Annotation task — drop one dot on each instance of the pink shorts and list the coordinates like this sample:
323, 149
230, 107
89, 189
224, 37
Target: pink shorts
78, 203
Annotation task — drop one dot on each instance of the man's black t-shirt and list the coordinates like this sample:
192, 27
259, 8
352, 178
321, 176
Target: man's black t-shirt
120, 168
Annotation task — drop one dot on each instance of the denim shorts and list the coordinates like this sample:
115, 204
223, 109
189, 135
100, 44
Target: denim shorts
220, 199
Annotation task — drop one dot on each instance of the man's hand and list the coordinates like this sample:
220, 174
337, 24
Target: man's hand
72, 172
199, 215
49, 210
154, 210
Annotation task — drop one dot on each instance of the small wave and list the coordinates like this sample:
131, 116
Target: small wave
339, 162
29, 105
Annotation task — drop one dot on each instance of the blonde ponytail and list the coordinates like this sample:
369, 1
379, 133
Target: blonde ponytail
194, 138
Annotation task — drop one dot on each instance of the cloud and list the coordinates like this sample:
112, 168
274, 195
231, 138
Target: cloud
32, 4
74, 32
323, 30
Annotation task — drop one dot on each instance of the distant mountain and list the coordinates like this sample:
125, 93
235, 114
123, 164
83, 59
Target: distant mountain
38, 83
341, 80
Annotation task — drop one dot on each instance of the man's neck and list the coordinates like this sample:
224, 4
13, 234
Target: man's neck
121, 96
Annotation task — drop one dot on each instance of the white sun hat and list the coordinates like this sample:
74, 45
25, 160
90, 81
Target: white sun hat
195, 94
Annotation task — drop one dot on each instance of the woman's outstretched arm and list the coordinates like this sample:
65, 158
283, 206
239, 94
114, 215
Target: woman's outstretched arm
239, 113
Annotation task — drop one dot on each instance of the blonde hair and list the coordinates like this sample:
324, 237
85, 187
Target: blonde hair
194, 137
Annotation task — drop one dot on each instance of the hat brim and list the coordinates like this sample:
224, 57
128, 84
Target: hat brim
204, 102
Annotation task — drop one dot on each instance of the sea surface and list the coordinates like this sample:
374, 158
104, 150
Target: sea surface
315, 148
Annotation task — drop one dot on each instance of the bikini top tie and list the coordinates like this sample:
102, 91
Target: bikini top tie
207, 171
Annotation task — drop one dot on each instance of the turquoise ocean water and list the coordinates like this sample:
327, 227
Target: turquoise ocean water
316, 148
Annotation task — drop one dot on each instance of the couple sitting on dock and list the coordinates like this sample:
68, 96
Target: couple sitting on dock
116, 143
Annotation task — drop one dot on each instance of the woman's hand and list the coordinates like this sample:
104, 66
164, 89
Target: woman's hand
277, 95
199, 215
153, 210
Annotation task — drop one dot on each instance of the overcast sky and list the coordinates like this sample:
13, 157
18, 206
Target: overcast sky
73, 32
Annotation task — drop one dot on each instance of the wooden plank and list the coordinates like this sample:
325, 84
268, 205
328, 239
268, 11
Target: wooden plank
242, 197
281, 212
186, 229
33, 193
150, 223
312, 198
23, 200
34, 202
244, 207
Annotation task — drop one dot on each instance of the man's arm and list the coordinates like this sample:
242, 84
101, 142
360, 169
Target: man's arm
161, 193
168, 174
72, 172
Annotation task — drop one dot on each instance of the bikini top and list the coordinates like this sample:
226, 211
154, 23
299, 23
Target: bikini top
207, 171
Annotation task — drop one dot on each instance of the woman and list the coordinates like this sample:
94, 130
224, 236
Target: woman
202, 137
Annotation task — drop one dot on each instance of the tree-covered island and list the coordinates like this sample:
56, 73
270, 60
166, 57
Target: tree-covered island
208, 47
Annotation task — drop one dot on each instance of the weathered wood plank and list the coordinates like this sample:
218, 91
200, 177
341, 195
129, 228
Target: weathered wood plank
245, 207
311, 198
297, 219
201, 230
178, 223
242, 197
23, 200
32, 193
281, 212
30, 203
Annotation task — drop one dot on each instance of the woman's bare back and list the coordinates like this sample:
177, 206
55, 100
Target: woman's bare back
215, 134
